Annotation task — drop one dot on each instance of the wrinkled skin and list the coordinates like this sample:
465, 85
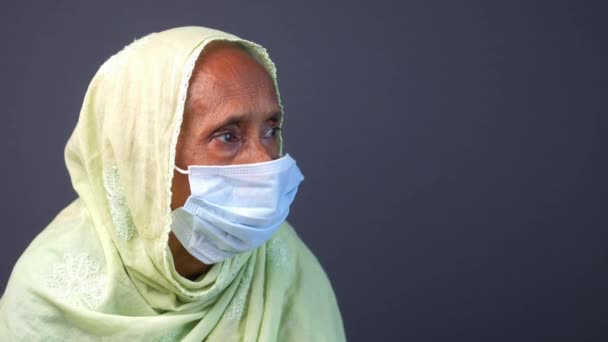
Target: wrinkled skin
231, 116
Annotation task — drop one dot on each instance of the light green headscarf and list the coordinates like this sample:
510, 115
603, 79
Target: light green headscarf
102, 269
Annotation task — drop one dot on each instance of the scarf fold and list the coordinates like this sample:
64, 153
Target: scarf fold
102, 269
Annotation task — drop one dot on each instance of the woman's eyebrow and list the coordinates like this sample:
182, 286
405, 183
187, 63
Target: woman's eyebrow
237, 118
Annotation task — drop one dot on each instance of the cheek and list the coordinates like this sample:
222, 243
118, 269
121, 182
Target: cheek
272, 147
180, 190
180, 147
189, 151
218, 150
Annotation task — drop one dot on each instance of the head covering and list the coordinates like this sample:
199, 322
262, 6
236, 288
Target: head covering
102, 269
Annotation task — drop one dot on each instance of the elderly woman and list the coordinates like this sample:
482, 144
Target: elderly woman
178, 232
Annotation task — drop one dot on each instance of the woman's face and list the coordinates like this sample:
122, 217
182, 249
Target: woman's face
231, 115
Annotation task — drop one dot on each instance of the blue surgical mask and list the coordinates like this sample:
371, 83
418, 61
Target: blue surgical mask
234, 208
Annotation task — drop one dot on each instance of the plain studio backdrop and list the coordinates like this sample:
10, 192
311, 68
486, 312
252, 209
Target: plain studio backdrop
454, 151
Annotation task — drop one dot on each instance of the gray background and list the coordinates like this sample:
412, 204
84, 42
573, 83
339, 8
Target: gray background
454, 152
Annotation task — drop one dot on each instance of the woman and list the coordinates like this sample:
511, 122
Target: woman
178, 231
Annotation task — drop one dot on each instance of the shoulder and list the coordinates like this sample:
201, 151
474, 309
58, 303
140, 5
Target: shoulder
60, 270
305, 260
70, 235
287, 252
313, 308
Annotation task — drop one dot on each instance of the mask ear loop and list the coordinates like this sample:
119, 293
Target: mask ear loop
181, 170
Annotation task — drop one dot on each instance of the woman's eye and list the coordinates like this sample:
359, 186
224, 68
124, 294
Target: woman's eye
227, 137
272, 132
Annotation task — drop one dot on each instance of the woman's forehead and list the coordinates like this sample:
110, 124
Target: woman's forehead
228, 76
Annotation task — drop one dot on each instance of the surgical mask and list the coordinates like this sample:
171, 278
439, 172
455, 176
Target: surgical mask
234, 208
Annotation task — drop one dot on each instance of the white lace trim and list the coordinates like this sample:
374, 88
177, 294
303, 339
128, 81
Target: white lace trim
120, 58
183, 93
78, 281
119, 210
